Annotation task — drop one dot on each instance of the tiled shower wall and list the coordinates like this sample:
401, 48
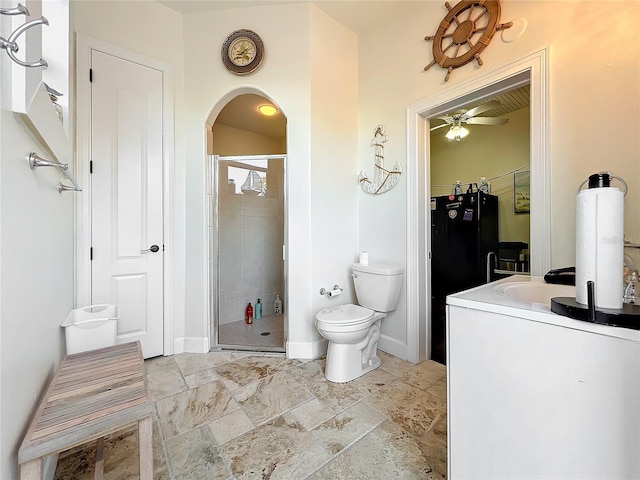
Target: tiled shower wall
249, 246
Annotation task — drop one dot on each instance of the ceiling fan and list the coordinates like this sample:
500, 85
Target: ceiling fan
456, 120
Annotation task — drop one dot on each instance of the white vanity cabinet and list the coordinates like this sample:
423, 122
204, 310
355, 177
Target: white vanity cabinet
532, 394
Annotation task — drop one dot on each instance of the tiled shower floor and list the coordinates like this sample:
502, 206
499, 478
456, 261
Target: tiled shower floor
226, 415
267, 331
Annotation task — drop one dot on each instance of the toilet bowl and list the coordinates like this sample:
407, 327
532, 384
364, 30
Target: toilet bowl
353, 330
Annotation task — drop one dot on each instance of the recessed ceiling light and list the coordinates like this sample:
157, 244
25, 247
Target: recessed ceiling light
268, 110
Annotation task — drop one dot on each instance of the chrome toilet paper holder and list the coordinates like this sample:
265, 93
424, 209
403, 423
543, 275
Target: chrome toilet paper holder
333, 292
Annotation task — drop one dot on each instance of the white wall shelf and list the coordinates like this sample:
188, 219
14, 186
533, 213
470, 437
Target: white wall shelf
29, 96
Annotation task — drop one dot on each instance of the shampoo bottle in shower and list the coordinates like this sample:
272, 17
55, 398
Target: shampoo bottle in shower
248, 315
258, 310
277, 305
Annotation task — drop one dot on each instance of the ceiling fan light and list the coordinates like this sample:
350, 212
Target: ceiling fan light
457, 132
453, 131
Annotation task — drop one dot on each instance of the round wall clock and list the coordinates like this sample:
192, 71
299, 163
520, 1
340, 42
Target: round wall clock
242, 52
464, 33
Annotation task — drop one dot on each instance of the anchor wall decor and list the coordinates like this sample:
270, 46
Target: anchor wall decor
383, 179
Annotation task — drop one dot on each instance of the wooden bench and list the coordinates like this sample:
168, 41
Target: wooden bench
92, 394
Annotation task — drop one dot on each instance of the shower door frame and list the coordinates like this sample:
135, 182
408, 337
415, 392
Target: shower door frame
213, 230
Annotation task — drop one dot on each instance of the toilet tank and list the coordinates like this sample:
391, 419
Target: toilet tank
377, 286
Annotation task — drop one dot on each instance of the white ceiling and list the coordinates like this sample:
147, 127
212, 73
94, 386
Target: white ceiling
197, 6
356, 15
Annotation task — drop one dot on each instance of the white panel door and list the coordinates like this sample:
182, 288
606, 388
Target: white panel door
126, 197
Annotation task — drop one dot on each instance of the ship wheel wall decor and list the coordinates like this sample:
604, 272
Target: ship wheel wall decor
464, 33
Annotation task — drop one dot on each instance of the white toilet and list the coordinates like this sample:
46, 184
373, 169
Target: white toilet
353, 330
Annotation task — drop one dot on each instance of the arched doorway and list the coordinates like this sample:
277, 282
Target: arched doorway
247, 215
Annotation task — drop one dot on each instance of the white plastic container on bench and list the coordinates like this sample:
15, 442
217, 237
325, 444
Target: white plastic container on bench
91, 327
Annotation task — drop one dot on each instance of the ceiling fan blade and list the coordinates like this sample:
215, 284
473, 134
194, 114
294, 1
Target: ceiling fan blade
487, 121
482, 108
439, 126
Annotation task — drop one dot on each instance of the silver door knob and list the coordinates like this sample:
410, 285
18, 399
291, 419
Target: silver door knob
152, 248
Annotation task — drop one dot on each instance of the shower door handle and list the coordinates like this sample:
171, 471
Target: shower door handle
152, 248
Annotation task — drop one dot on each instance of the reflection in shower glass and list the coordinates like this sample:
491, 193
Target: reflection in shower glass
250, 244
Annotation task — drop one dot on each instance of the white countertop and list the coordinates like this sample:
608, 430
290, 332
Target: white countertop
489, 298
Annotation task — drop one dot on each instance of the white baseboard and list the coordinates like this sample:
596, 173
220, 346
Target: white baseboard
307, 350
393, 346
191, 345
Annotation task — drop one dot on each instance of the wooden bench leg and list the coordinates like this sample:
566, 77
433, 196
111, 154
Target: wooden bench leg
99, 472
145, 440
31, 470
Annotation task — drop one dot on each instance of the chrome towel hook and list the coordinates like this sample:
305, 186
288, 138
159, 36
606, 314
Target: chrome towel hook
11, 46
19, 10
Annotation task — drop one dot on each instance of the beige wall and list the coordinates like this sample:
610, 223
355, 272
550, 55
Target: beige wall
36, 243
594, 101
594, 111
321, 237
333, 189
488, 151
36, 274
234, 141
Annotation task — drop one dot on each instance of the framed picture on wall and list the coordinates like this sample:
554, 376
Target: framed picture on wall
521, 193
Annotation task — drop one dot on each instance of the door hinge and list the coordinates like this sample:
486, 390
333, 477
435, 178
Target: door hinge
91, 74
91, 253
90, 166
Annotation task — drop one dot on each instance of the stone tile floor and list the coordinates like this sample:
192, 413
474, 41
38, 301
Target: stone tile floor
229, 415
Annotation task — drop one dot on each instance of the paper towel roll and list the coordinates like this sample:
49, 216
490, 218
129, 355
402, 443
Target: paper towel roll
600, 245
364, 258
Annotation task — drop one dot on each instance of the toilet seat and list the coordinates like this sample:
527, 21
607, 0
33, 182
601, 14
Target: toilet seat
345, 315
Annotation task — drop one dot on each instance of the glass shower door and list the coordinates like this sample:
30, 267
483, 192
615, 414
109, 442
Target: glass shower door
250, 238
